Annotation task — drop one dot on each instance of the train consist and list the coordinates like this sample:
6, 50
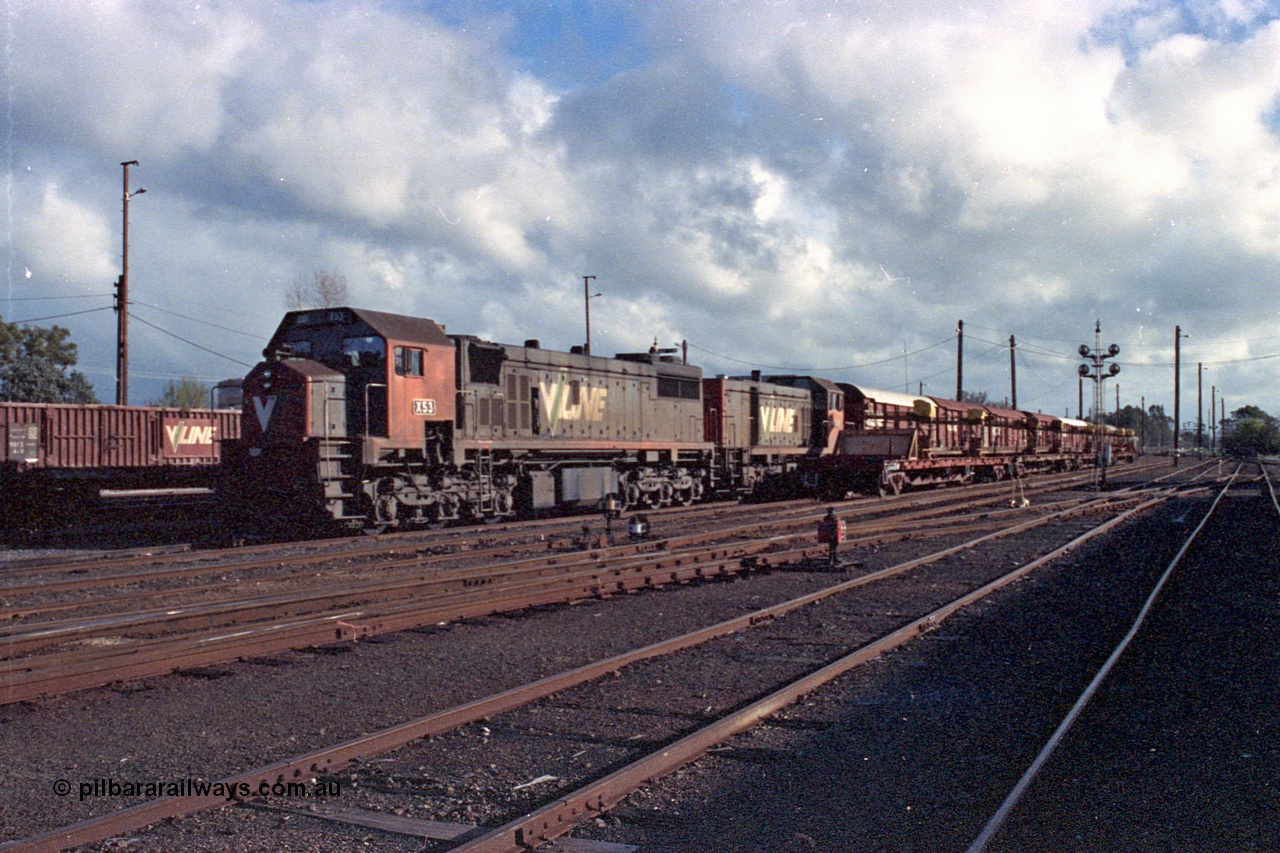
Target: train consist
374, 420
56, 458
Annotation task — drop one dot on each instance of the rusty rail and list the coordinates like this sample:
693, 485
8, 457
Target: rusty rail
559, 817
333, 759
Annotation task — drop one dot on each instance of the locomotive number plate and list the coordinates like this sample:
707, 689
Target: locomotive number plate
424, 407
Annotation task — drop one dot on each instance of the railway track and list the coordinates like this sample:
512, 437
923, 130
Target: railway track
133, 566
902, 627
53, 656
1204, 620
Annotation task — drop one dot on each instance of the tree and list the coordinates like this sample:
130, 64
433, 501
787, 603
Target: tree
1155, 429
1251, 413
1252, 437
186, 393
1250, 432
35, 366
324, 289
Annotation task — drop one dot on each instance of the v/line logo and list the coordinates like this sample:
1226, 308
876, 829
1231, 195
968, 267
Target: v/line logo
571, 400
263, 409
782, 419
183, 434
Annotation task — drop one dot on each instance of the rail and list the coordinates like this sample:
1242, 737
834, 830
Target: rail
332, 759
997, 820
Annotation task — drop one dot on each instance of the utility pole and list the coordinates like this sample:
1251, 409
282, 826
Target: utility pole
586, 301
1013, 373
1177, 391
1213, 422
1142, 424
1199, 405
960, 360
122, 299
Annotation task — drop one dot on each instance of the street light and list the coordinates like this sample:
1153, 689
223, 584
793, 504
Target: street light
1177, 390
1094, 370
122, 298
587, 296
1200, 408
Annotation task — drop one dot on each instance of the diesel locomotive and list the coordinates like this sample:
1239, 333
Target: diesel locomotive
367, 419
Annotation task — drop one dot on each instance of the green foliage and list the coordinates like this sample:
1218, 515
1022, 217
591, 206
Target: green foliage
1251, 413
1155, 428
1250, 432
35, 366
186, 393
1252, 438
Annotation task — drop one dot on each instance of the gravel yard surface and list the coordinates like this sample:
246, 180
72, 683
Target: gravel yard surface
911, 753
1177, 752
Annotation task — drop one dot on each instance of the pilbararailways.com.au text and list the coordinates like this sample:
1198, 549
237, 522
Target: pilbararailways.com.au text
97, 788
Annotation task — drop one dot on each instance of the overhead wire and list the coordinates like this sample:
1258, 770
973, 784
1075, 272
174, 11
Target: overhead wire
821, 369
178, 337
60, 316
194, 320
48, 298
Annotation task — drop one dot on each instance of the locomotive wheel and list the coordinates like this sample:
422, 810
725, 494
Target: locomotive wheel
385, 509
893, 486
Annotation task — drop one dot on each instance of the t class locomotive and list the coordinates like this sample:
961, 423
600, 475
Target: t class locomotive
369, 419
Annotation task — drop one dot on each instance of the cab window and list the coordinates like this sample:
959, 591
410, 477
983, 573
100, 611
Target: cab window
363, 350
408, 361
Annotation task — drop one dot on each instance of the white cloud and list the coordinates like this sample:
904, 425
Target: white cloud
69, 242
742, 183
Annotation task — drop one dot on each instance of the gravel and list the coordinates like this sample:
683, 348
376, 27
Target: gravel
910, 753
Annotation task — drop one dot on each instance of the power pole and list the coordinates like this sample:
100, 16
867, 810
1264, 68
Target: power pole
1213, 424
586, 301
1199, 405
1013, 373
960, 360
1177, 391
122, 299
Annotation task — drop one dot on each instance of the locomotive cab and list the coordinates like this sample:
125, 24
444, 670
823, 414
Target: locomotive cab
343, 390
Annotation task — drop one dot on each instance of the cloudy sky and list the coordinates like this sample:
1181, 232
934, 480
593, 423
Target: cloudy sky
824, 187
